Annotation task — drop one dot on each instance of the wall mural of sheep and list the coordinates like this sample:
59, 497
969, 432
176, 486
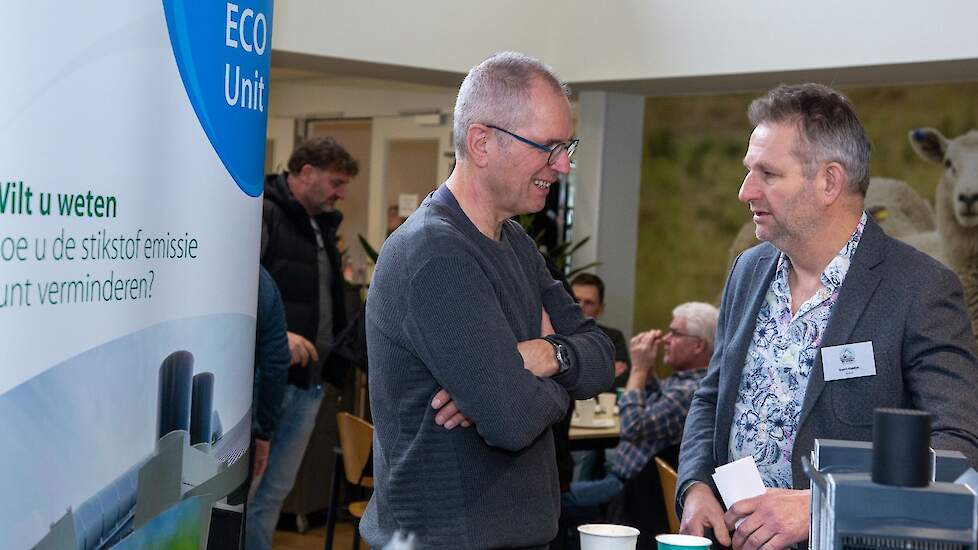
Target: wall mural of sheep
955, 241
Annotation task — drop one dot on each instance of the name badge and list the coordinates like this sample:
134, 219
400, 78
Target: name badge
848, 361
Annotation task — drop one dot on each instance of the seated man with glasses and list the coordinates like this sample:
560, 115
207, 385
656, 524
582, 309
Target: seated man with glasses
652, 412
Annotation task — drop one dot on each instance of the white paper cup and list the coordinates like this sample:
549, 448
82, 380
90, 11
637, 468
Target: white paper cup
605, 536
607, 402
585, 410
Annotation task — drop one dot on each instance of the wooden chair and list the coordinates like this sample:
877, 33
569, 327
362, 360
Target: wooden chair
356, 437
639, 504
667, 476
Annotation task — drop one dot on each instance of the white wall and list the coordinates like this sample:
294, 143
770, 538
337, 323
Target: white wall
421, 33
662, 38
634, 39
281, 132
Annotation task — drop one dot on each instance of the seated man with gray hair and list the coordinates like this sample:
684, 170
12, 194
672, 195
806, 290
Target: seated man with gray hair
652, 412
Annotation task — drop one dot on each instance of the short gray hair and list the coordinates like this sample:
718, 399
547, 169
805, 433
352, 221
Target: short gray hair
497, 92
828, 126
701, 320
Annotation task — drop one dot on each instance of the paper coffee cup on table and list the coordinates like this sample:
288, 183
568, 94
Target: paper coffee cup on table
681, 542
607, 401
585, 411
605, 536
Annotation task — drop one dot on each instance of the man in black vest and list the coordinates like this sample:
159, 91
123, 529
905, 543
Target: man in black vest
298, 248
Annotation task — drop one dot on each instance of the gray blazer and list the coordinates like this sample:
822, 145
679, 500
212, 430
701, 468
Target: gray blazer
910, 307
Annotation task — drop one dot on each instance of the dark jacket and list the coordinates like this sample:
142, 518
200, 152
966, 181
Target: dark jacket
271, 358
289, 253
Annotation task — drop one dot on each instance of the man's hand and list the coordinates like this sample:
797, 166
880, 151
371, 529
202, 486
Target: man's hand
538, 354
538, 357
777, 519
448, 415
260, 453
643, 348
302, 350
620, 368
701, 510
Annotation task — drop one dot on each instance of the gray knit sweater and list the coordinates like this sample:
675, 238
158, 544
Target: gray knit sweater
447, 308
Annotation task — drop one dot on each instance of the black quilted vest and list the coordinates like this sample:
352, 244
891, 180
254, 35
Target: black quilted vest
289, 255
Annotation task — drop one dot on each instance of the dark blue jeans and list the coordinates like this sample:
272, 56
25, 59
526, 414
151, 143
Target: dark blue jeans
299, 410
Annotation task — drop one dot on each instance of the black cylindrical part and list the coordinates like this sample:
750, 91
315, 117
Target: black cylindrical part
201, 407
173, 408
901, 448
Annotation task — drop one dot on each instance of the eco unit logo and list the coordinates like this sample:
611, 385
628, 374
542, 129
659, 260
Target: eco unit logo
222, 50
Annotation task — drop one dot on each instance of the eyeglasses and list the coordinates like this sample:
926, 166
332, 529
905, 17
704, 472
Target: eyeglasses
676, 334
569, 146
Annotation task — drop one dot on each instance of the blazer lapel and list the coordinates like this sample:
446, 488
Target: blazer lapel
857, 290
733, 369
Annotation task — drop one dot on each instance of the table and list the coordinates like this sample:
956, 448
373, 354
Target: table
595, 438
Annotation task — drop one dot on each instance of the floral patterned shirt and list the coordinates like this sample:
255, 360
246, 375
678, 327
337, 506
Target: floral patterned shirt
779, 360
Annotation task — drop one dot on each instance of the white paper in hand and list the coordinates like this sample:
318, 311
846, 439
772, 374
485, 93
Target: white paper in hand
738, 480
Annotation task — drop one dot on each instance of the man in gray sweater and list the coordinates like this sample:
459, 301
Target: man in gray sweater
475, 351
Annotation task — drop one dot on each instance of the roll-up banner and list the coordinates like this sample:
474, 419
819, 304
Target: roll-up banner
132, 137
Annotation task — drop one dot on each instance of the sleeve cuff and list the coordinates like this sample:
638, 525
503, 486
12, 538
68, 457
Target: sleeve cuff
632, 397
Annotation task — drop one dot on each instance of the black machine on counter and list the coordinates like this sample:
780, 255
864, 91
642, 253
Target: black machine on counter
894, 493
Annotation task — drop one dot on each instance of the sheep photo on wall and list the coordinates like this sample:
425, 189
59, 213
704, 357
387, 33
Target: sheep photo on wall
955, 240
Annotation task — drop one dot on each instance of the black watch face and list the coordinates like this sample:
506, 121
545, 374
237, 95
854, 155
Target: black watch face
562, 357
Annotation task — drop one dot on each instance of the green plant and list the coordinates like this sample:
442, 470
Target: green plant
369, 250
561, 254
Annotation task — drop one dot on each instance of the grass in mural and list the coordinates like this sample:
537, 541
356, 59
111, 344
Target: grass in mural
692, 170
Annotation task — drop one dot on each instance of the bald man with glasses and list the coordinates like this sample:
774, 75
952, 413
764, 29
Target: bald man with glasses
475, 350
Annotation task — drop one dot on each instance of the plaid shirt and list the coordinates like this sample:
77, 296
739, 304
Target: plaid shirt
653, 420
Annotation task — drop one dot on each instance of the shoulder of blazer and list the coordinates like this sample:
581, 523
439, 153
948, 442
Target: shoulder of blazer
747, 262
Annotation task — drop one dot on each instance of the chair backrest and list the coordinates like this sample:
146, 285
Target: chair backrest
667, 476
356, 437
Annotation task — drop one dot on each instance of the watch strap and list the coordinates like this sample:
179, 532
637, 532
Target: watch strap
560, 354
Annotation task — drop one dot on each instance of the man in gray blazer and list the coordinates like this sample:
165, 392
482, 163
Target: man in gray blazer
820, 325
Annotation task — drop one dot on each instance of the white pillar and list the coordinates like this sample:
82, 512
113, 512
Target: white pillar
606, 196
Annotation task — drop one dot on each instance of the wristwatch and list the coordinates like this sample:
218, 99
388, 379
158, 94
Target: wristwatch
560, 353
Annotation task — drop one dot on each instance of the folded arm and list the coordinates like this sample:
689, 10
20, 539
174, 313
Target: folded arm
592, 368
538, 357
461, 333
